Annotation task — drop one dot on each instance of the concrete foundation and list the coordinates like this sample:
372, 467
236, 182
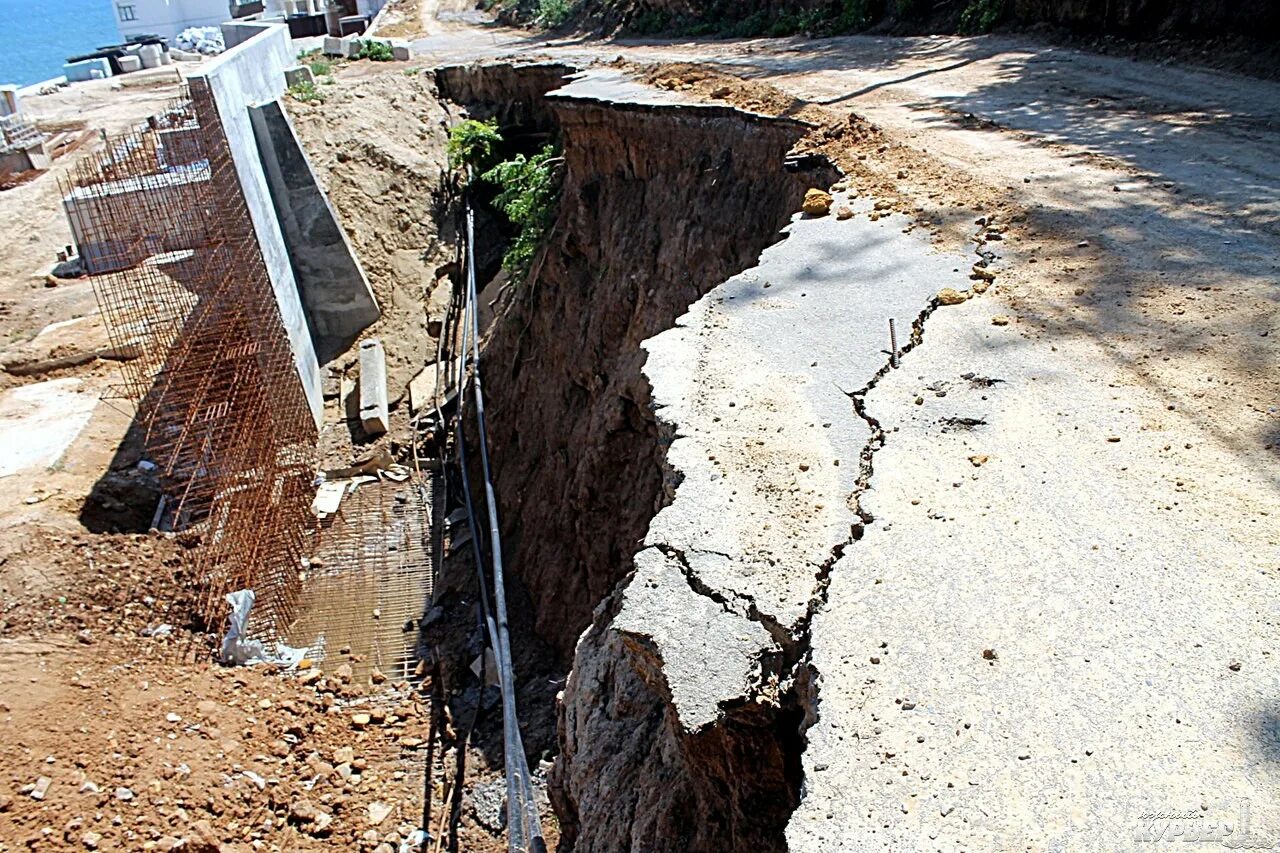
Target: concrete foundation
87, 69
336, 296
97, 218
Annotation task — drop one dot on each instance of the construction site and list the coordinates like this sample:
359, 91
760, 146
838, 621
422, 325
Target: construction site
528, 429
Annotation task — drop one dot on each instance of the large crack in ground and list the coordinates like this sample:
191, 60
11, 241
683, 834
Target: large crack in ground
748, 384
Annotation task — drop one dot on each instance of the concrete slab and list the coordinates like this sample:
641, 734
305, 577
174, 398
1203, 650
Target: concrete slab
422, 390
754, 383
38, 422
705, 652
336, 297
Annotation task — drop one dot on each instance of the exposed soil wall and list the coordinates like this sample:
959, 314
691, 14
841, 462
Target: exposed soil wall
657, 207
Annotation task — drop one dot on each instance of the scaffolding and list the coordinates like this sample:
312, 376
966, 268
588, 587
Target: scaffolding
162, 224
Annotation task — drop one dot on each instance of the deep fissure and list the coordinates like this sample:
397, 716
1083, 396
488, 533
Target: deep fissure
634, 245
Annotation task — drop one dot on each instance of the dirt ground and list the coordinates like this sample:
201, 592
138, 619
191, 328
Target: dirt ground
155, 746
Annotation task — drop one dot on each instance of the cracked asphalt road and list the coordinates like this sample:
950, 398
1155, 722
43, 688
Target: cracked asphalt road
1063, 615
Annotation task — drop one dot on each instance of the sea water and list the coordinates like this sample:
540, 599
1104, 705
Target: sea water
37, 36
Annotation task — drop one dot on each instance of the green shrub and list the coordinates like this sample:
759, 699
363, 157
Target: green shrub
527, 197
306, 92
553, 13
320, 67
472, 143
378, 51
981, 16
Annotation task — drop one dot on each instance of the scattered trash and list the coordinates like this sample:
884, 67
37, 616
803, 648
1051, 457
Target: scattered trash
415, 841
161, 631
41, 788
238, 649
332, 487
146, 465
490, 668
328, 498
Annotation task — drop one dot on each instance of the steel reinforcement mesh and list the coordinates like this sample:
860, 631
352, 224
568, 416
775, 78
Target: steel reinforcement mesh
163, 227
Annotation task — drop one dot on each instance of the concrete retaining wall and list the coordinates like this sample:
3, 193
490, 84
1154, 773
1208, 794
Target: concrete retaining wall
336, 296
248, 74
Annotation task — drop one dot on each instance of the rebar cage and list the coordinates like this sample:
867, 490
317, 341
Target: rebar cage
162, 225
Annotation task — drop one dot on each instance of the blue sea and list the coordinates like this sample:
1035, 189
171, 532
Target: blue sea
37, 37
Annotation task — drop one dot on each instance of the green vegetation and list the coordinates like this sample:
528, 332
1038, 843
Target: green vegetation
526, 186
378, 51
553, 13
472, 144
981, 16
320, 67
528, 199
307, 93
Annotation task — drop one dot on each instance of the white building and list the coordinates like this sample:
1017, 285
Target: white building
167, 18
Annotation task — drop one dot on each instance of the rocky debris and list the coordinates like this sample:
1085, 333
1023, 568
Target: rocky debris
251, 770
488, 803
1000, 320
843, 212
816, 203
951, 296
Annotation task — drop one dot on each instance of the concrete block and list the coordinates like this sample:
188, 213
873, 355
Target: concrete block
401, 52
373, 387
297, 75
129, 63
150, 55
87, 69
334, 46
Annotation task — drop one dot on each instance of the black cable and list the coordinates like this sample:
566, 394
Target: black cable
524, 833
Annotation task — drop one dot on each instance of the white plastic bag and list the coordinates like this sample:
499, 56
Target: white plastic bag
238, 649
